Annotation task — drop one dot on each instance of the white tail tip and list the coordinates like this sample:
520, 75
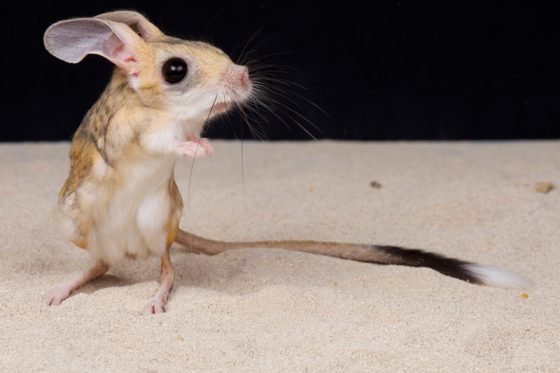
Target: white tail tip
494, 276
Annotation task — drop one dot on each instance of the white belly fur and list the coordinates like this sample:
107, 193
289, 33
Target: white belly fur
131, 221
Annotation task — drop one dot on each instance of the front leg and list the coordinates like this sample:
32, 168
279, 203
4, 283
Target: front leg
167, 276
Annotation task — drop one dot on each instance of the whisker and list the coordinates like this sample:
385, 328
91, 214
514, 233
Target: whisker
279, 67
194, 160
284, 93
255, 109
273, 54
259, 30
264, 42
213, 19
243, 164
242, 151
271, 111
276, 115
296, 113
264, 77
254, 131
286, 107
272, 94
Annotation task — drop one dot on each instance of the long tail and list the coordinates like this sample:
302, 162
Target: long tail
470, 272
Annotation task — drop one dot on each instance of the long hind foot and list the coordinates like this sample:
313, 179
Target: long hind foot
157, 303
57, 295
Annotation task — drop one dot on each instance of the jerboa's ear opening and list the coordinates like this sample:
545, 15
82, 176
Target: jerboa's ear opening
136, 21
71, 40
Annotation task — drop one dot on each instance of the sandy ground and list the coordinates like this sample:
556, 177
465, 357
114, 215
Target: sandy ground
253, 310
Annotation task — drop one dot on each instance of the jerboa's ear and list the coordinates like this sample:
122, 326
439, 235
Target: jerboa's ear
71, 40
136, 21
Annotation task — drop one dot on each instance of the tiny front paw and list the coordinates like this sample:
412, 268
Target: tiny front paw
196, 149
206, 145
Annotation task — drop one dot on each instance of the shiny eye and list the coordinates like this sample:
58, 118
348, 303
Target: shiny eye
174, 70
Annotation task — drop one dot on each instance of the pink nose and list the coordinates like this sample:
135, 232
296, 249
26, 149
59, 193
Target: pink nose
240, 74
244, 75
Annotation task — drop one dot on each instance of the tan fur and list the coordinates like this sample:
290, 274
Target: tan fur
96, 141
175, 216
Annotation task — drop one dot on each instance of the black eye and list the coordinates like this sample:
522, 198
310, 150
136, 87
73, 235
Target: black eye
174, 70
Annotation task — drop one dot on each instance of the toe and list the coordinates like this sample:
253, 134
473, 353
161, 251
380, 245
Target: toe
154, 307
56, 297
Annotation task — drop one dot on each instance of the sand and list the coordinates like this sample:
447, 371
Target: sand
255, 310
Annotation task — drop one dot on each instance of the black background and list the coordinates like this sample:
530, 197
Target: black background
386, 70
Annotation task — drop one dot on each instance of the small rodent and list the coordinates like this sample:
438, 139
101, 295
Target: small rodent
120, 198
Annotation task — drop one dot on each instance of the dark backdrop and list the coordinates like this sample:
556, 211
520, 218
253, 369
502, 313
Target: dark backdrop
386, 70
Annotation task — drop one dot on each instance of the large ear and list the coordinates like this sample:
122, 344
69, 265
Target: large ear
71, 40
136, 21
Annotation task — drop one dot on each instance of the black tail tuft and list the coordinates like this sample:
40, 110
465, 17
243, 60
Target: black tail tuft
418, 258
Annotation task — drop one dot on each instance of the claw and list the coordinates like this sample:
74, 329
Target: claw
155, 306
55, 297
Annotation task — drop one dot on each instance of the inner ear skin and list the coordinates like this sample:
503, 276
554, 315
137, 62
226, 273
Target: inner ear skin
136, 21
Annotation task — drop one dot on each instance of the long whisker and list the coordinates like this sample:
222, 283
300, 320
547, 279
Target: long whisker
264, 42
266, 77
285, 94
272, 93
227, 113
194, 159
251, 38
273, 54
242, 152
260, 135
243, 164
252, 104
255, 109
295, 121
244, 117
264, 106
253, 64
300, 125
297, 113
213, 19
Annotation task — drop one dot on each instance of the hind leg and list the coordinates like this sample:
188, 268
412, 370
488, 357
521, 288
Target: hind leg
56, 296
167, 275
